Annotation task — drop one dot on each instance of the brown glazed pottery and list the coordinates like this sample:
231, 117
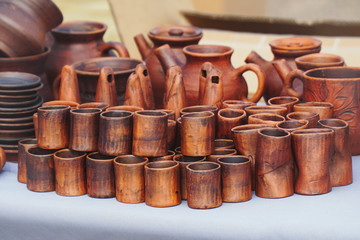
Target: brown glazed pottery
313, 149
130, 178
69, 85
340, 165
169, 156
53, 127
79, 40
246, 140
100, 175
235, 178
284, 101
218, 153
197, 134
125, 108
311, 117
100, 105
280, 110
115, 133
234, 84
224, 143
177, 37
266, 118
174, 96
292, 125
183, 162
2, 158
274, 167
88, 72
24, 145
106, 89
72, 104
162, 184
228, 118
340, 87
40, 173
70, 174
325, 110
203, 181
237, 104
150, 133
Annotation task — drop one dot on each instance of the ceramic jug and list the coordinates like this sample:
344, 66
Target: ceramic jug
234, 85
177, 37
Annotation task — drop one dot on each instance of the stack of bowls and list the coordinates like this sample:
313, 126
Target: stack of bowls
19, 100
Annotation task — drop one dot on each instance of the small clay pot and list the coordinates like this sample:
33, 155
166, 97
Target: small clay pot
24, 145
70, 174
84, 129
237, 104
162, 184
183, 162
324, 109
168, 157
203, 185
100, 175
224, 143
115, 133
235, 178
284, 101
129, 178
150, 133
266, 118
279, 110
292, 125
218, 153
100, 105
125, 108
311, 117
227, 119
53, 127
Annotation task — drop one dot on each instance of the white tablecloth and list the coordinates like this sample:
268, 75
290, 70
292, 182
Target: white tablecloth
30, 215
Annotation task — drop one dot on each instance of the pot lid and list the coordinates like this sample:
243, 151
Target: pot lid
175, 33
295, 43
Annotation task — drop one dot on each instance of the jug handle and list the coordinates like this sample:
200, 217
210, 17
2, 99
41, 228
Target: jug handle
116, 46
290, 77
260, 76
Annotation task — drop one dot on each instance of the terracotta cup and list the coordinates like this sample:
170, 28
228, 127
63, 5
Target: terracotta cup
324, 109
266, 118
197, 134
203, 185
199, 108
162, 184
340, 165
100, 105
284, 101
311, 117
150, 133
129, 178
125, 108
24, 145
169, 112
53, 127
168, 156
84, 129
274, 166
218, 153
313, 149
237, 104
100, 175
245, 140
251, 110
224, 143
40, 174
177, 150
235, 178
183, 162
70, 174
292, 125
171, 134
115, 133
227, 119
61, 102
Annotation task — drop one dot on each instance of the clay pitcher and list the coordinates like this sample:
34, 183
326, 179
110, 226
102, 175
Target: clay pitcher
133, 94
69, 85
211, 86
106, 89
234, 85
177, 37
146, 86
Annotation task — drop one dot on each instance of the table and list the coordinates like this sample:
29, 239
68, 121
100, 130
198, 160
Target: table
30, 215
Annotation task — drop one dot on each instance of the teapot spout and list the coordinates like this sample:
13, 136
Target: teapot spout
142, 45
166, 57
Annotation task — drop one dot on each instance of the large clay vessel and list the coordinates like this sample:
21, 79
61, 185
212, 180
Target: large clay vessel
177, 37
234, 85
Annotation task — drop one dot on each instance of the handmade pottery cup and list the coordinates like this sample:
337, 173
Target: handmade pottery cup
23, 145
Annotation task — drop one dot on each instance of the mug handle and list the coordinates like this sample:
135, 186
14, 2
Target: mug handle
290, 77
116, 46
260, 76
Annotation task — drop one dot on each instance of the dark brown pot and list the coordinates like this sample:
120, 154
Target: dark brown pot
227, 119
129, 178
280, 110
266, 118
274, 167
100, 175
311, 117
325, 110
23, 146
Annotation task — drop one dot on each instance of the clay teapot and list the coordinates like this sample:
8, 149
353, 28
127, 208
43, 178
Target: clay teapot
234, 85
177, 37
283, 48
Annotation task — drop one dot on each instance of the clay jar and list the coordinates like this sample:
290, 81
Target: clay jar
77, 40
339, 86
177, 37
234, 85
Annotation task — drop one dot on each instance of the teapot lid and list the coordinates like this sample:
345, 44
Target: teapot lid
295, 43
175, 34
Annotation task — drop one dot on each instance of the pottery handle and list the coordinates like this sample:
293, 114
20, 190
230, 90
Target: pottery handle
116, 46
290, 77
260, 76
